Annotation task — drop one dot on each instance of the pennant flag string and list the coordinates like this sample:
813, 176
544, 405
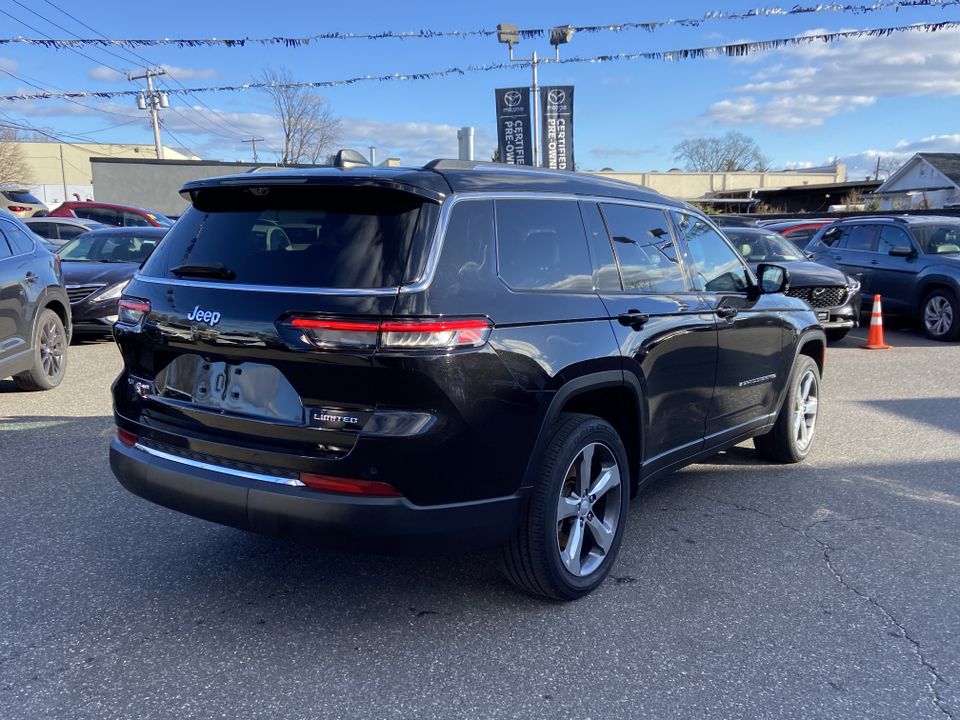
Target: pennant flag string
734, 50
431, 34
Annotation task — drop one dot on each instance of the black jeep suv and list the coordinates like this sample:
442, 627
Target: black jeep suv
460, 356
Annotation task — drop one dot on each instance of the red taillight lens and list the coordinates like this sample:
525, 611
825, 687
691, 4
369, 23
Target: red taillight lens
131, 311
394, 334
17, 208
338, 334
368, 488
126, 437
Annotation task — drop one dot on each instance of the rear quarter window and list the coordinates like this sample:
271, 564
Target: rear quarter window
311, 237
541, 245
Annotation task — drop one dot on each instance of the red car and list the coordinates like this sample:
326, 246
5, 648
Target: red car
112, 214
799, 232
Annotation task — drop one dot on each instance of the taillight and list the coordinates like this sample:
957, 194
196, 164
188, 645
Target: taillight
370, 488
126, 437
394, 335
132, 311
17, 208
339, 335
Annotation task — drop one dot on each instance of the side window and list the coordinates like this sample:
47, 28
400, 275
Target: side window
133, 220
104, 215
19, 241
645, 249
469, 236
833, 236
69, 232
541, 245
606, 275
46, 230
716, 265
890, 237
5, 251
862, 237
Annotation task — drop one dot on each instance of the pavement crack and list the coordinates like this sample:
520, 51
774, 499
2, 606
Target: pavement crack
826, 549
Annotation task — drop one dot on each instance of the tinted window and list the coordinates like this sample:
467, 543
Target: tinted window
296, 237
68, 232
20, 242
716, 266
109, 247
47, 230
133, 220
22, 197
5, 251
936, 239
606, 274
833, 236
891, 237
645, 249
104, 215
801, 236
541, 245
469, 236
861, 237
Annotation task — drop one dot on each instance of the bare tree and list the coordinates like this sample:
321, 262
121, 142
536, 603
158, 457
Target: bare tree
888, 165
310, 128
734, 151
13, 165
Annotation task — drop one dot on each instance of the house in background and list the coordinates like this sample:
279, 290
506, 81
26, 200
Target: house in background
927, 181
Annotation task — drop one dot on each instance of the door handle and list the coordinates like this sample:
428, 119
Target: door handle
633, 319
726, 312
31, 277
838, 257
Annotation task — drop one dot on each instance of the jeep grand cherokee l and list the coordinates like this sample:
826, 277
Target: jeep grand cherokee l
464, 355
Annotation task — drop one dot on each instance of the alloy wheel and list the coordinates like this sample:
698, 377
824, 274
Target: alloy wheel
938, 315
588, 509
52, 343
806, 405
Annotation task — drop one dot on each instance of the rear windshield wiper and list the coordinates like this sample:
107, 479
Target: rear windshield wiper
212, 270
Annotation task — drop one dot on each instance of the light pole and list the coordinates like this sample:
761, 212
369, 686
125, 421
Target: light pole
560, 35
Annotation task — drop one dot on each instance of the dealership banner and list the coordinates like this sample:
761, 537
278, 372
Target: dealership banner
556, 133
514, 127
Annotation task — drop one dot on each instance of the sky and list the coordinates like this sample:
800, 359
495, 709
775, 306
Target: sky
806, 103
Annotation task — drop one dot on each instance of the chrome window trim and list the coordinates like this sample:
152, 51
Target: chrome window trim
217, 469
352, 292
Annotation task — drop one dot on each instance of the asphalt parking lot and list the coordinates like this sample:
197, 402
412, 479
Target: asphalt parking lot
743, 590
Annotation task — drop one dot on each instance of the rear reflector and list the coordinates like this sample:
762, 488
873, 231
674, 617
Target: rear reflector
127, 438
369, 488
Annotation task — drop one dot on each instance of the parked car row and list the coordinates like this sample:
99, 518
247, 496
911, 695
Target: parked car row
913, 262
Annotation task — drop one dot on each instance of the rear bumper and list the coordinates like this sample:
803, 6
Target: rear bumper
305, 515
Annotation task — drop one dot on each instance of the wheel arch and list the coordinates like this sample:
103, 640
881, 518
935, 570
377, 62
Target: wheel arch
609, 395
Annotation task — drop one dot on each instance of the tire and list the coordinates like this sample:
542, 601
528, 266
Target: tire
49, 354
835, 335
940, 314
790, 439
569, 539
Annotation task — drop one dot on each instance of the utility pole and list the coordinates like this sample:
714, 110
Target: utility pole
254, 141
152, 100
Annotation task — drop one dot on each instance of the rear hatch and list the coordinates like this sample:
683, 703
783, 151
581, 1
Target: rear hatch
254, 323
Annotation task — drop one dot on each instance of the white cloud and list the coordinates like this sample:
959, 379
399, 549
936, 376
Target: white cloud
182, 74
839, 77
101, 73
413, 143
8, 64
622, 152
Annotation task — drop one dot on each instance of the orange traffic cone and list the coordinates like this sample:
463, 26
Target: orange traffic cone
875, 336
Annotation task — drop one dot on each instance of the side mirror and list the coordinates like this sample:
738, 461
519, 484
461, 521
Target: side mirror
902, 251
773, 278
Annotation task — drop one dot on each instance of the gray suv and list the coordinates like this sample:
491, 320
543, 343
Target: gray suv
34, 310
912, 261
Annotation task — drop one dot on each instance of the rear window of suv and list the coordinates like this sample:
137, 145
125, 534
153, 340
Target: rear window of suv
316, 237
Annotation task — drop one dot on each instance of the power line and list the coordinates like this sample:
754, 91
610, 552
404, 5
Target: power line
731, 50
528, 34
